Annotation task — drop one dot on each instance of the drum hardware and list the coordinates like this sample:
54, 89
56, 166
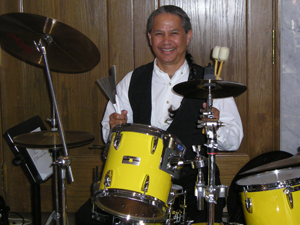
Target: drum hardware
107, 179
248, 202
176, 216
209, 89
28, 36
117, 140
212, 192
288, 191
154, 144
131, 160
145, 184
198, 163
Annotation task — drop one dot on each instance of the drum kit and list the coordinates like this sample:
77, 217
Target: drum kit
141, 161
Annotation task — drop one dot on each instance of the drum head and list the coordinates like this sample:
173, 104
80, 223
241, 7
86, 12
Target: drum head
271, 180
234, 205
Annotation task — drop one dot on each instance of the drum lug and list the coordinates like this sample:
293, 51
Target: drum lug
248, 202
107, 179
289, 196
117, 140
154, 144
145, 185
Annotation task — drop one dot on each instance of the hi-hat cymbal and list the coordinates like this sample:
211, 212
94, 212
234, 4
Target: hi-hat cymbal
292, 161
52, 139
68, 50
200, 89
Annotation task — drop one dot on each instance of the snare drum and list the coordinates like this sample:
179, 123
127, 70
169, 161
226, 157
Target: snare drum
271, 197
136, 179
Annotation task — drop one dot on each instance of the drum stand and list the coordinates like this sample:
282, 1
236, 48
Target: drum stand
211, 192
63, 162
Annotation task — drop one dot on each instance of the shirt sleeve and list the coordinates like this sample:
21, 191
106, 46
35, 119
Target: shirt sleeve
122, 93
229, 135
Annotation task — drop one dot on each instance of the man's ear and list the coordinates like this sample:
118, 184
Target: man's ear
189, 36
149, 37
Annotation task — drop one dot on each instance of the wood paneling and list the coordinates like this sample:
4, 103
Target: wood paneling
260, 78
118, 28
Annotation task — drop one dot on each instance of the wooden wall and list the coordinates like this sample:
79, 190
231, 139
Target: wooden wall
117, 27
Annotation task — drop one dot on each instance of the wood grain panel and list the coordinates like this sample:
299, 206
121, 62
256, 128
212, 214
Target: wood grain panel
142, 50
120, 22
260, 89
84, 175
229, 166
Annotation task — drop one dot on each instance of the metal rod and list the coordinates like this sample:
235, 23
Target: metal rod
212, 188
62, 133
56, 187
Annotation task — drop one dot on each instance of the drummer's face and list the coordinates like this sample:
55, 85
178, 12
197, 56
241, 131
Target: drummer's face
169, 40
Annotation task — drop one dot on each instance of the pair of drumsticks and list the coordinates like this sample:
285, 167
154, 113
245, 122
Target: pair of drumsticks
219, 54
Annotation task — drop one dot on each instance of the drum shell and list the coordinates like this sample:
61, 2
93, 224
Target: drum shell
270, 205
130, 176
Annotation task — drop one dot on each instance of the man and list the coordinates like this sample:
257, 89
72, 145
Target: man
146, 97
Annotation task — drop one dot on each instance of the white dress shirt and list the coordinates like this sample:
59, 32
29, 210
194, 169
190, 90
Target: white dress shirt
229, 136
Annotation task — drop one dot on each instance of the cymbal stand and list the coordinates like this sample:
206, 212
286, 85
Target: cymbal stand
210, 124
62, 161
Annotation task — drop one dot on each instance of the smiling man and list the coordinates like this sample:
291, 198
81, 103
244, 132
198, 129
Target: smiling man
146, 97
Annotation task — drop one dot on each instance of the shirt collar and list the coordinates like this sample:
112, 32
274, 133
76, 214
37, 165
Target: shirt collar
182, 71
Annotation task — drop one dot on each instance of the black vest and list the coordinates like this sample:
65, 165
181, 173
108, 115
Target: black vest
184, 124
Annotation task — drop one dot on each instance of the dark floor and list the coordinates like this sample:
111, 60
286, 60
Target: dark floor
45, 217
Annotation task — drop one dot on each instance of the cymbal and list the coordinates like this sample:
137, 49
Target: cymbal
288, 162
219, 89
52, 139
68, 50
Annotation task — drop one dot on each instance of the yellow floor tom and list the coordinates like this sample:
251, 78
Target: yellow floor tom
136, 180
272, 197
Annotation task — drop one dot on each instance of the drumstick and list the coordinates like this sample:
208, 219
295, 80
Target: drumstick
215, 55
223, 56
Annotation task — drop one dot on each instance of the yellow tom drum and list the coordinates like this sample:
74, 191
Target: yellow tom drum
272, 197
136, 179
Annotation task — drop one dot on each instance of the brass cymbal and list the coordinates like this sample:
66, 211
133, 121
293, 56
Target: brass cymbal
52, 139
200, 89
68, 50
288, 162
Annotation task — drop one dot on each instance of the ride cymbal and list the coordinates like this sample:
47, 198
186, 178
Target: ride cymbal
52, 139
284, 163
200, 89
68, 50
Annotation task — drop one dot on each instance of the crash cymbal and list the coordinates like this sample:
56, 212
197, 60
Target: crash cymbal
292, 161
68, 50
200, 89
52, 139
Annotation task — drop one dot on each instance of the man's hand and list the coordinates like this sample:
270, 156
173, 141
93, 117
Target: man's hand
116, 119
